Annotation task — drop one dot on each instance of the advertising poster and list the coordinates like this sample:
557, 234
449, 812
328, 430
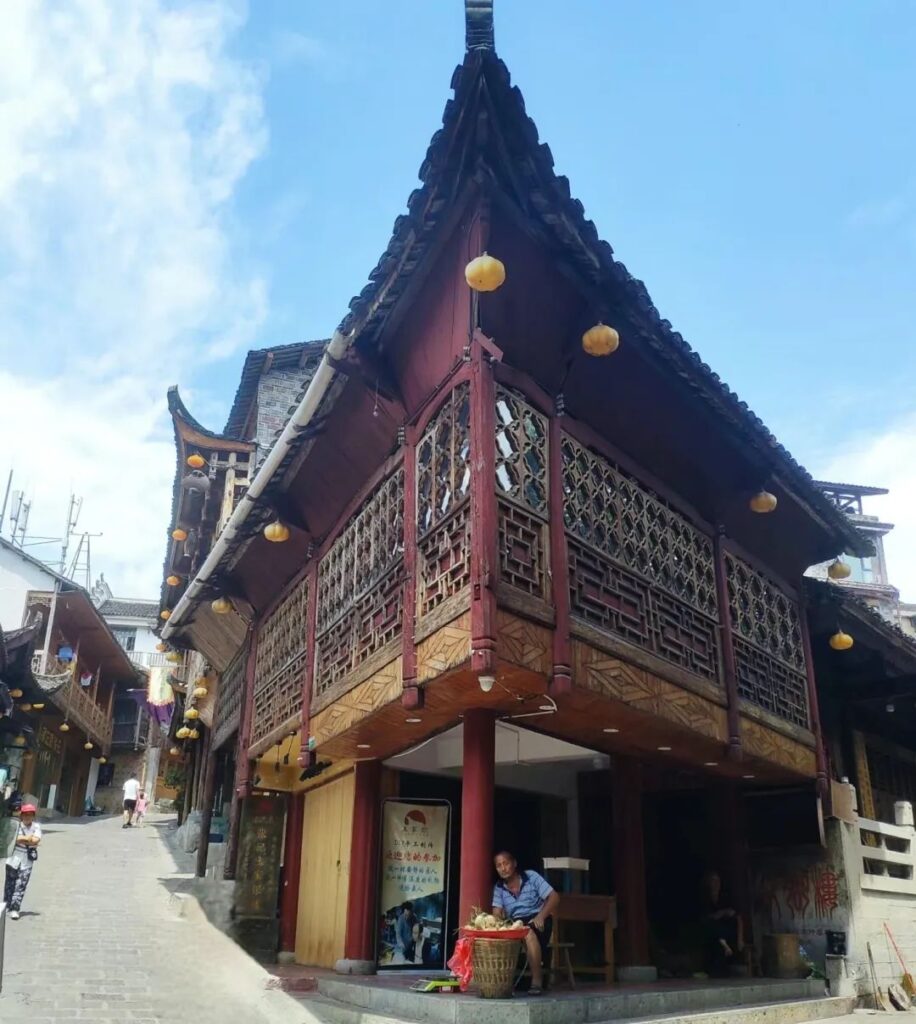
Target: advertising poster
414, 879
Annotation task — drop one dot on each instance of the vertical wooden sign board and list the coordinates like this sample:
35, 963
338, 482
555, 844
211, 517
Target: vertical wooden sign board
257, 884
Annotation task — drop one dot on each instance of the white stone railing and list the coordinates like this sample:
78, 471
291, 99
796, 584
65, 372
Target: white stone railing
888, 857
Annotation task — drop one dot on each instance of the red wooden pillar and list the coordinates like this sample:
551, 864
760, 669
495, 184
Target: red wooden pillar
362, 899
561, 679
242, 764
727, 647
477, 811
289, 885
308, 679
412, 696
814, 714
629, 864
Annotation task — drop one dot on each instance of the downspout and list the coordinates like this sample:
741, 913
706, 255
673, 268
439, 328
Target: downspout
52, 615
311, 400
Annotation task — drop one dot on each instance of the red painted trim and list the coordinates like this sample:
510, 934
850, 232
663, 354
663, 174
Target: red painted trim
484, 560
289, 883
387, 467
629, 862
561, 680
727, 647
242, 764
362, 897
583, 433
477, 786
308, 678
814, 711
408, 622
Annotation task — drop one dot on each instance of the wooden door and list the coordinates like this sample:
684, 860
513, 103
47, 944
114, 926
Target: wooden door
324, 878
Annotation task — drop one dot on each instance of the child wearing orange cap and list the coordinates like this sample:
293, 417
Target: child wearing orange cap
19, 864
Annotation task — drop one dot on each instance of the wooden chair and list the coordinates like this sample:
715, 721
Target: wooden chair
560, 961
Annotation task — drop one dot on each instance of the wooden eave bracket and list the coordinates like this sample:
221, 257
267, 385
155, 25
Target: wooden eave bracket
488, 345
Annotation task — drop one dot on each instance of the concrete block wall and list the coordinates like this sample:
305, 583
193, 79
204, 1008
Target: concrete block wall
277, 391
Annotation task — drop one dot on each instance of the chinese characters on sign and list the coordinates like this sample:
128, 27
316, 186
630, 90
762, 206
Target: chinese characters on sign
260, 850
413, 884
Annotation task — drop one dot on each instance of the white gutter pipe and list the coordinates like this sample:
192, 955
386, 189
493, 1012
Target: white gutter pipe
314, 394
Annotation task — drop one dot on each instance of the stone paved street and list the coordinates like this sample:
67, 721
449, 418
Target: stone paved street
98, 940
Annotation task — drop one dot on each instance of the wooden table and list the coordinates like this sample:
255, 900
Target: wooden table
600, 909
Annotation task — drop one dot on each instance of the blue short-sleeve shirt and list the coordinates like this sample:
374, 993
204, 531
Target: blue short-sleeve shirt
530, 899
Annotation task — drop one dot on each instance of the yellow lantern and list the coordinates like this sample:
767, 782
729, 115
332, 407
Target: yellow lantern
222, 605
87, 745
183, 733
762, 502
175, 752
196, 461
179, 534
193, 734
173, 658
600, 340
103, 760
19, 741
276, 532
16, 694
485, 273
64, 727
191, 714
38, 707
165, 615
841, 641
200, 692
173, 580
161, 647
25, 707
838, 569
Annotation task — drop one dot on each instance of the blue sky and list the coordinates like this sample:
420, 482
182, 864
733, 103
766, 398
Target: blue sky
226, 177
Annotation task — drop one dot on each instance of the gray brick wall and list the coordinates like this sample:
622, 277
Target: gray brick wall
277, 391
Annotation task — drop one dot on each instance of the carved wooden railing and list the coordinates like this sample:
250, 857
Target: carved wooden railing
227, 711
280, 662
77, 706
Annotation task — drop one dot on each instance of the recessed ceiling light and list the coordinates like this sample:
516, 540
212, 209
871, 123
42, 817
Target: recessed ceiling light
363, 746
711, 764
664, 748
413, 721
546, 707
748, 776
612, 730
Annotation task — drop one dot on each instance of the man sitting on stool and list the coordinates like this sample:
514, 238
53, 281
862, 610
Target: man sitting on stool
526, 896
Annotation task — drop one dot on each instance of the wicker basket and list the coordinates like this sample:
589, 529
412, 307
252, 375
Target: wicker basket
495, 961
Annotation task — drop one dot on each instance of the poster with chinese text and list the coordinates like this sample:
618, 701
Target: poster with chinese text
414, 882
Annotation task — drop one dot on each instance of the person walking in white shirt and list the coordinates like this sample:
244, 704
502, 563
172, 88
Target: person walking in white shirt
131, 792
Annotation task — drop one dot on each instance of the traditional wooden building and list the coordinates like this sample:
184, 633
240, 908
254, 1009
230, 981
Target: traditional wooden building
554, 585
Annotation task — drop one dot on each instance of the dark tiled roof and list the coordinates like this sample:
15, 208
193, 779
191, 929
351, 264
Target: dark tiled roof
828, 485
281, 356
850, 603
124, 608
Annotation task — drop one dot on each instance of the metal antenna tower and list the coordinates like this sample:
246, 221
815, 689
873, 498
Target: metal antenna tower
73, 515
82, 559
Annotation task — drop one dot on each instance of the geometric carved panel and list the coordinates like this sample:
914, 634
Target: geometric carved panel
352, 707
760, 741
610, 677
229, 699
522, 549
444, 649
524, 643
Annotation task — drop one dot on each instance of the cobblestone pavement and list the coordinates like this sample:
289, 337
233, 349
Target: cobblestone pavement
99, 941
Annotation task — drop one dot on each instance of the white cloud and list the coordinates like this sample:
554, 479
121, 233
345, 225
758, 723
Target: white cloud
125, 129
886, 459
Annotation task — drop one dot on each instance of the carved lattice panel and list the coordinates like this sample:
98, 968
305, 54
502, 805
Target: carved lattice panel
620, 602
280, 663
444, 460
443, 560
359, 585
615, 514
521, 452
771, 684
228, 708
522, 549
764, 614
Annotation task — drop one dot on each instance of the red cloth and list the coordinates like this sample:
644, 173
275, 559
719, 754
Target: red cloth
462, 962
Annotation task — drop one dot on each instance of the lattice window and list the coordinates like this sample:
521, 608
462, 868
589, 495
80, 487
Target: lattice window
443, 560
768, 645
228, 708
280, 663
609, 510
444, 460
360, 587
521, 452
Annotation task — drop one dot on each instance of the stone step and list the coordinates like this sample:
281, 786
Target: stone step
791, 1002
330, 1011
